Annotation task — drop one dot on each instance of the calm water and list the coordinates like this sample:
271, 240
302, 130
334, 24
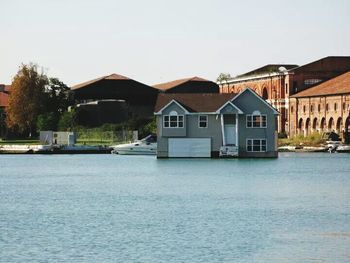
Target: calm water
107, 208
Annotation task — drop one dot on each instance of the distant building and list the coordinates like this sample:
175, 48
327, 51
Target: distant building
114, 98
324, 107
213, 125
188, 85
4, 102
277, 82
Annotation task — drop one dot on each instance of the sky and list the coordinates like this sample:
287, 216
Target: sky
157, 41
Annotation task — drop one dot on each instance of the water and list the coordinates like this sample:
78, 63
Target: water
107, 208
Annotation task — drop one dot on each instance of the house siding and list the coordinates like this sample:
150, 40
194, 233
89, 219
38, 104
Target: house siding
245, 102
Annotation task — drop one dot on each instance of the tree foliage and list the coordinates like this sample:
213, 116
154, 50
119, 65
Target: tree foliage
26, 100
36, 102
68, 121
223, 77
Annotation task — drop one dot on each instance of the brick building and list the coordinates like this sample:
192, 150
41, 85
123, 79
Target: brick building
277, 82
4, 100
324, 107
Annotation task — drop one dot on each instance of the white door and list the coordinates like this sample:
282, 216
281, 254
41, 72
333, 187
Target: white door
230, 134
189, 147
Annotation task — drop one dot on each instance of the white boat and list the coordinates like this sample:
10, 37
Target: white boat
145, 146
343, 149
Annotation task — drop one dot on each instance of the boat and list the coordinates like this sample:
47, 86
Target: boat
145, 146
343, 149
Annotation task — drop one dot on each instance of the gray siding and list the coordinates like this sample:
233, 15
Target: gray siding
249, 103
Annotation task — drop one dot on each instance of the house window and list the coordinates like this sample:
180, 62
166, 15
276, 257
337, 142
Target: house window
256, 121
335, 106
203, 121
327, 107
312, 108
256, 145
173, 121
319, 108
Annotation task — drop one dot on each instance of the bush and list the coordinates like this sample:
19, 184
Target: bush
47, 122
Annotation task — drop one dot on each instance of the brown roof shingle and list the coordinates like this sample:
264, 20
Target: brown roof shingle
334, 86
195, 102
175, 83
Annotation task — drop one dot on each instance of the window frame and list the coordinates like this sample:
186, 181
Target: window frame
201, 121
177, 121
252, 144
251, 116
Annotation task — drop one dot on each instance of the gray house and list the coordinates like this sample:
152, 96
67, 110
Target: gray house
213, 125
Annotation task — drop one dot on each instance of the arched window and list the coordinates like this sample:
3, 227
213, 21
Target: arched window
304, 108
344, 106
319, 107
335, 106
327, 108
291, 109
311, 108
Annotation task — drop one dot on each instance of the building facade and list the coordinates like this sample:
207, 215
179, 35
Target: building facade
276, 83
322, 108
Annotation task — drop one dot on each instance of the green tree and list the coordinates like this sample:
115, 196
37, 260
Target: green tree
67, 121
47, 121
57, 96
223, 78
27, 99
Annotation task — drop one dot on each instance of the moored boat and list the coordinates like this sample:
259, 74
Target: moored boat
145, 146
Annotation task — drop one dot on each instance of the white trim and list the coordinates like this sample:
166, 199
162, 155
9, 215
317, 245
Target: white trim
260, 98
233, 105
222, 129
251, 115
172, 101
177, 121
237, 130
206, 121
252, 139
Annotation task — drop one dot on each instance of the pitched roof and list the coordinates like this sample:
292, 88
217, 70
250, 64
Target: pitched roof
108, 77
175, 83
269, 68
194, 102
334, 86
4, 99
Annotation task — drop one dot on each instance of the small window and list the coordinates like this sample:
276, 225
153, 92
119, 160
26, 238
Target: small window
319, 107
173, 121
304, 108
291, 109
256, 121
312, 108
327, 107
256, 145
335, 106
344, 106
203, 121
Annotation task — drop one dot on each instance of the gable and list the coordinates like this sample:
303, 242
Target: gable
248, 101
172, 106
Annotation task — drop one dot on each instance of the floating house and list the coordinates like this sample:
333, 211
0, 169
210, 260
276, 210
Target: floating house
213, 125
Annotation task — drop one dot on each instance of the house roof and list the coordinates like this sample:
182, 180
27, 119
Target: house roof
108, 77
4, 99
194, 102
175, 83
334, 86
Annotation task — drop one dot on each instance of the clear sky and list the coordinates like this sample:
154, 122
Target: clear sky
159, 40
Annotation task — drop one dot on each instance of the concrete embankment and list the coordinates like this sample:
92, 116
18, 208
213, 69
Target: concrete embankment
54, 149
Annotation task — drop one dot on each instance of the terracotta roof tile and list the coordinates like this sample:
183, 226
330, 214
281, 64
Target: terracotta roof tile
195, 102
334, 86
175, 83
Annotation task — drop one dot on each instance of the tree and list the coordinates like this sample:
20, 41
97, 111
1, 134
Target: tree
57, 96
223, 77
26, 100
67, 121
47, 122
